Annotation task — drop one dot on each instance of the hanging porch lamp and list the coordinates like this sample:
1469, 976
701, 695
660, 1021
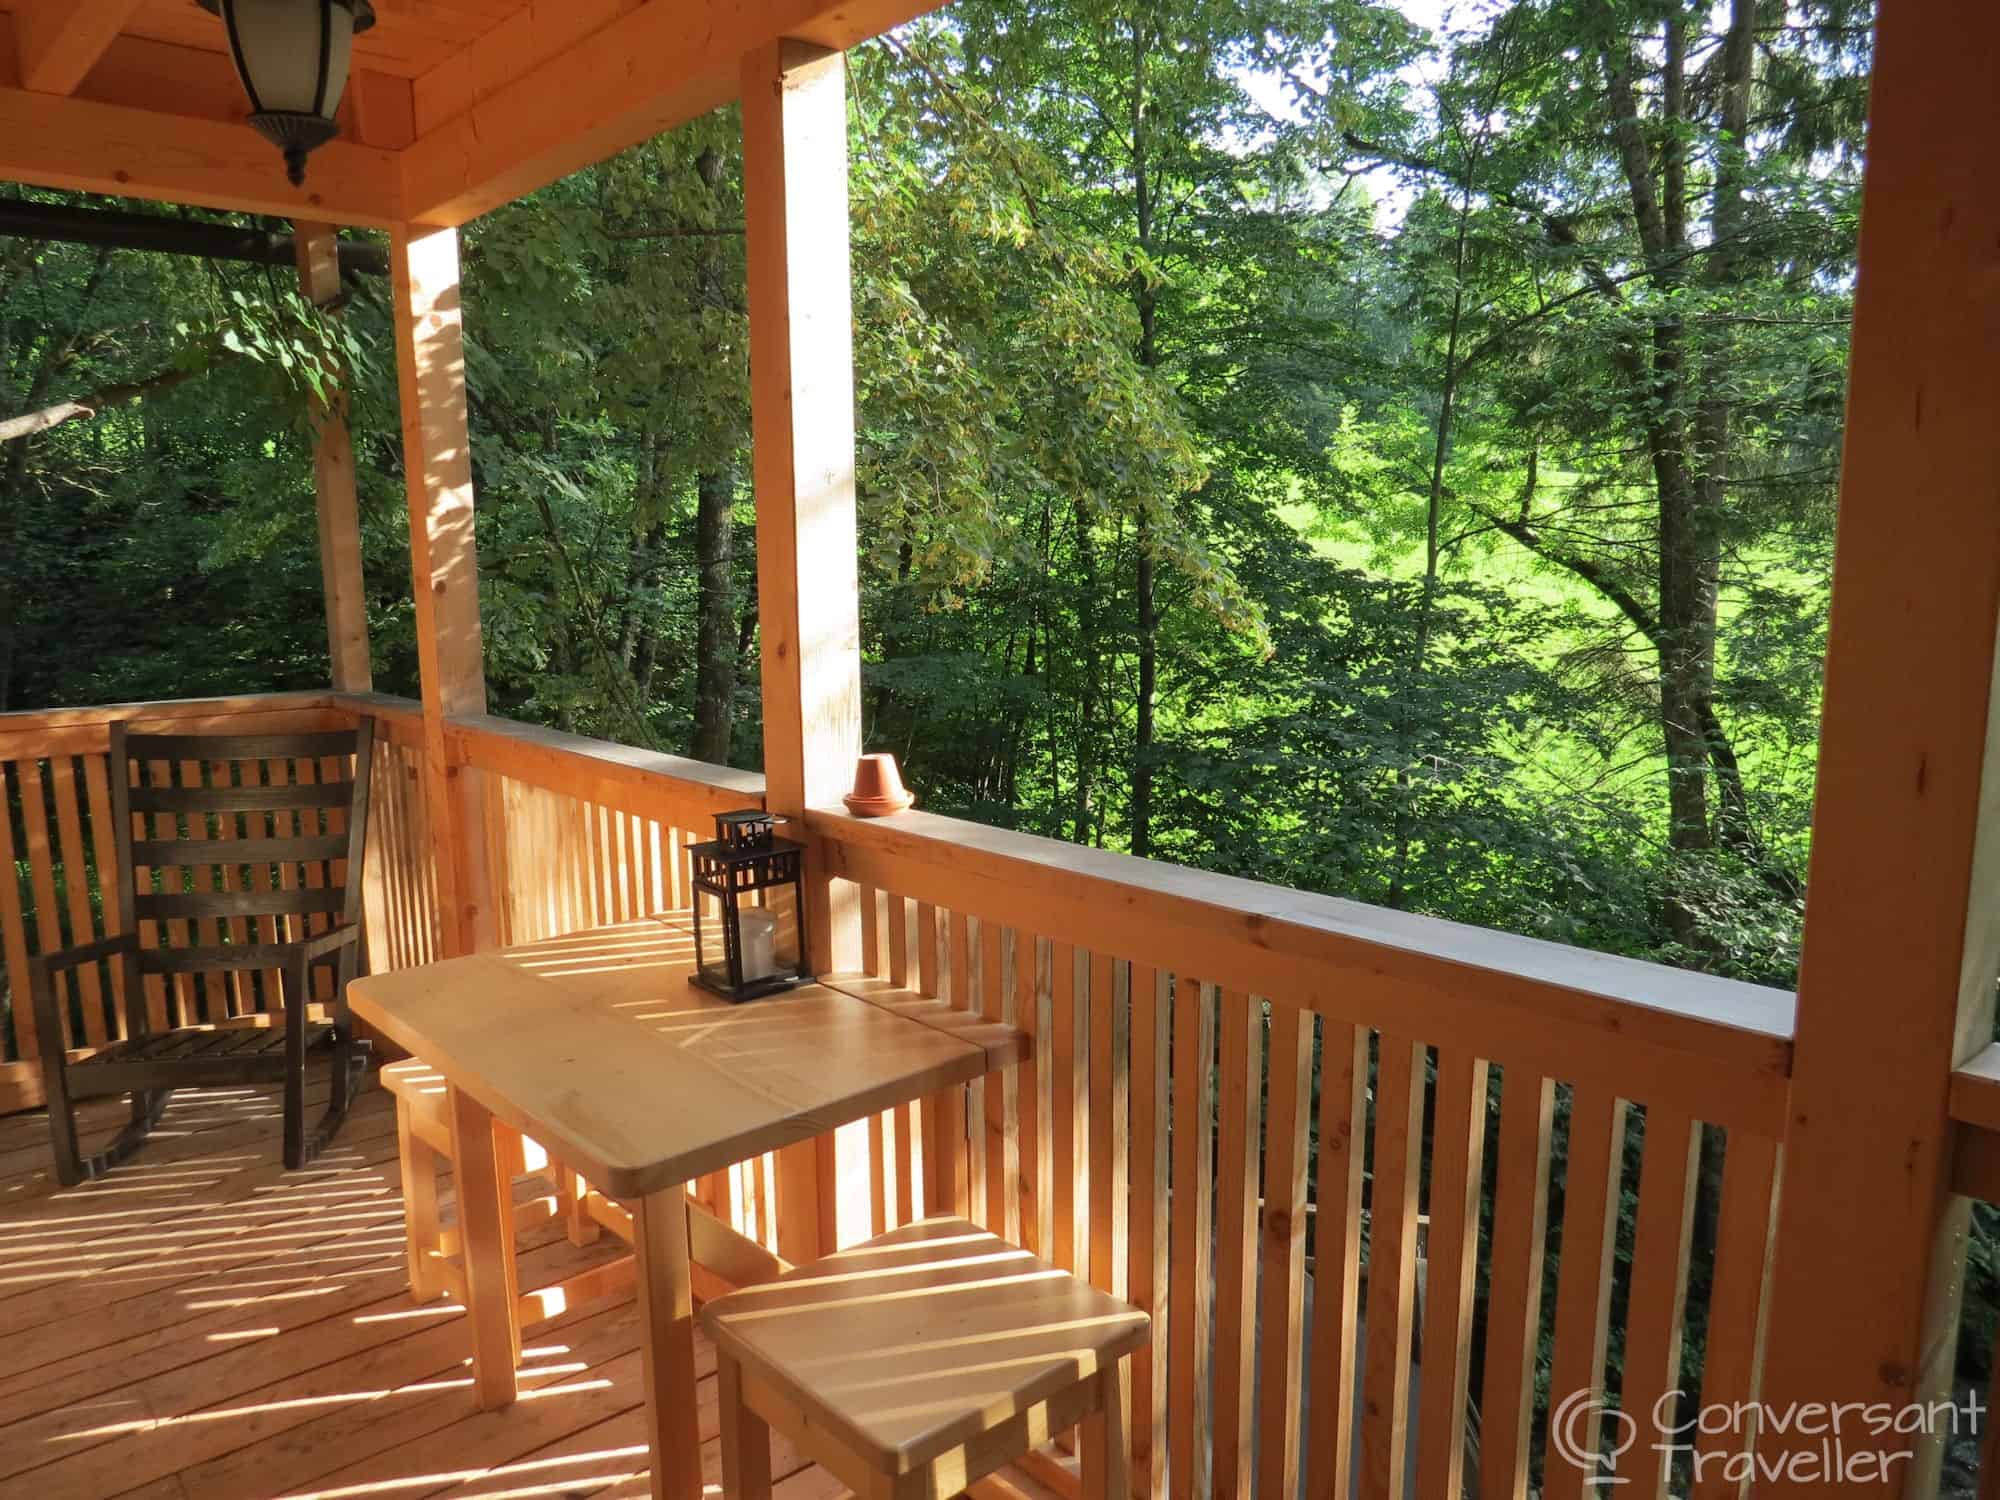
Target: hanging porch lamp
292, 56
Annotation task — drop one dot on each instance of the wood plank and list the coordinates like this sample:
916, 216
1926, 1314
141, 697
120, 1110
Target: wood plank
525, 128
1110, 1128
41, 866
569, 1048
1281, 1323
899, 941
104, 845
1239, 1069
76, 886
1591, 1201
58, 41
1190, 1322
669, 788
1906, 822
13, 925
874, 1309
1662, 1237
1739, 1299
1520, 1224
1717, 1047
1069, 1236
488, 1256
82, 145
1002, 1096
1033, 1091
802, 438
444, 556
666, 1311
1151, 1220
1458, 1160
1392, 1266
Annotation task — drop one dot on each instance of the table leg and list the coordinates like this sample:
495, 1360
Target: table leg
666, 1316
486, 1231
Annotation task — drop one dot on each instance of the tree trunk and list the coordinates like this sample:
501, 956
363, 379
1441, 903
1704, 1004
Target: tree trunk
1690, 553
1147, 297
715, 612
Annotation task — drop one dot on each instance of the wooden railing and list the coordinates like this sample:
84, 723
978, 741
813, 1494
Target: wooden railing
1243, 1101
1167, 1143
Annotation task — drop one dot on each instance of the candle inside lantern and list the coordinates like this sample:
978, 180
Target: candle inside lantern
759, 931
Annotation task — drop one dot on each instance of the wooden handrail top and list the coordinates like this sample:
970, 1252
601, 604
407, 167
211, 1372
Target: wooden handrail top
598, 769
1509, 997
1975, 1090
82, 731
164, 711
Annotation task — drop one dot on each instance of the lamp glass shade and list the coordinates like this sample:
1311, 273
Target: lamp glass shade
292, 58
277, 45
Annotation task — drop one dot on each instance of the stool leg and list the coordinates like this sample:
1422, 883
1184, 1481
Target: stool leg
418, 1165
575, 1193
746, 1441
1107, 1455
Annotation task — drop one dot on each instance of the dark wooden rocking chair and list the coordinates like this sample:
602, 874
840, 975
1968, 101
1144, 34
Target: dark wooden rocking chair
287, 865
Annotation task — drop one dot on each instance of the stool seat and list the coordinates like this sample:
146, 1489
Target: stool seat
920, 1341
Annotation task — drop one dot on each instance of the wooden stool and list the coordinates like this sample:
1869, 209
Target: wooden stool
917, 1363
423, 1145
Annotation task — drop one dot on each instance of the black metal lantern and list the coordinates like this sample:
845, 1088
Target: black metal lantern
749, 909
292, 56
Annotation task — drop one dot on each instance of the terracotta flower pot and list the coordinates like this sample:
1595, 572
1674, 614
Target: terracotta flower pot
878, 788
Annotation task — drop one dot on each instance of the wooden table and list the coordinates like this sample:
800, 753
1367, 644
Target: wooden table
597, 1045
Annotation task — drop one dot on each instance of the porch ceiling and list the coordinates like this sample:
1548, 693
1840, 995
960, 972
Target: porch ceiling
454, 106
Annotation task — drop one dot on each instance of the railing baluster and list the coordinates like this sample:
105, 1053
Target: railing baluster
1392, 1266
1738, 1305
1190, 1318
1520, 1222
1033, 1107
1239, 1068
1458, 1159
1343, 1106
1661, 1237
1110, 1128
1287, 1112
1151, 1221
871, 936
1069, 1238
76, 887
1002, 1112
13, 927
1583, 1292
41, 878
104, 845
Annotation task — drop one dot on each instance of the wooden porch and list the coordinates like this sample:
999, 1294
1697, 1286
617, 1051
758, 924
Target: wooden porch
203, 1323
1241, 1099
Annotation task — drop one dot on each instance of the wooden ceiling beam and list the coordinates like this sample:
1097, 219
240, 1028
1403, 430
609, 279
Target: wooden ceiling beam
648, 70
84, 145
60, 41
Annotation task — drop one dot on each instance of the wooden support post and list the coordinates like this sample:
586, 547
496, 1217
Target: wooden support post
802, 415
444, 563
333, 483
802, 426
1897, 980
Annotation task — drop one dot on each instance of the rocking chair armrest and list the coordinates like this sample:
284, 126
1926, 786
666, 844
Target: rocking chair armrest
330, 942
84, 953
42, 970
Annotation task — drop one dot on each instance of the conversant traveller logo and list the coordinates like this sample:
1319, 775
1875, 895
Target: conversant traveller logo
1804, 1442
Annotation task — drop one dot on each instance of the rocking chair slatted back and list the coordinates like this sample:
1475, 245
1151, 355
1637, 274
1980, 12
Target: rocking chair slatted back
230, 846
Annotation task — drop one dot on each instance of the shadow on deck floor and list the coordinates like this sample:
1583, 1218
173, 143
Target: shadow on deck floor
203, 1325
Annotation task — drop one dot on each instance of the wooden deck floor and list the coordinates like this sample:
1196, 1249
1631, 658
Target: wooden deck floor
204, 1325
